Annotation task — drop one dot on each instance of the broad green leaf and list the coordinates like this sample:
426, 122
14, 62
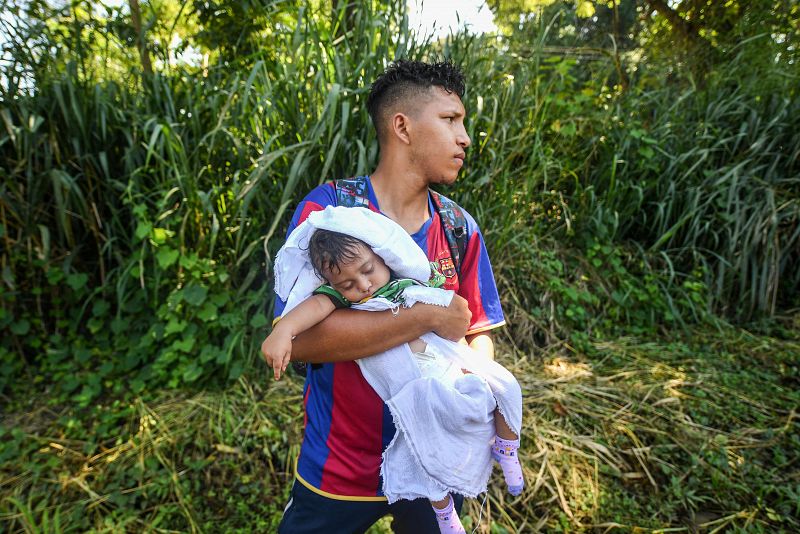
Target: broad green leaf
188, 261
166, 256
194, 294
192, 372
82, 354
77, 280
21, 327
143, 229
235, 371
220, 299
208, 353
160, 235
54, 275
95, 324
208, 312
646, 152
100, 307
259, 320
174, 326
184, 345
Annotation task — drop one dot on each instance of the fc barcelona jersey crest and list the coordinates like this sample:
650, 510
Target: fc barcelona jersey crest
447, 268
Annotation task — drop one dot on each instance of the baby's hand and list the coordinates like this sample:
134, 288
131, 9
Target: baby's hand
277, 351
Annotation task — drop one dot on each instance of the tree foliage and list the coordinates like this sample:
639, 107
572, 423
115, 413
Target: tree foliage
698, 31
631, 186
160, 191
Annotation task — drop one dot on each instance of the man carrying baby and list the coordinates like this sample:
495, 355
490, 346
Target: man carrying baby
417, 111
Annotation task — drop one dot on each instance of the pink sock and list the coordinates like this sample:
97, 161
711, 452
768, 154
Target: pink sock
504, 451
448, 520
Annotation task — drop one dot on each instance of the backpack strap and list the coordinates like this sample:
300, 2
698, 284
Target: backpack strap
455, 227
352, 192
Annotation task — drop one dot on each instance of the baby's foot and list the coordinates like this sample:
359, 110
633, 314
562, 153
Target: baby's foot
448, 520
504, 451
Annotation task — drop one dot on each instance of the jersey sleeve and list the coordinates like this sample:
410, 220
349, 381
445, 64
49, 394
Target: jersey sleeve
476, 283
318, 199
336, 298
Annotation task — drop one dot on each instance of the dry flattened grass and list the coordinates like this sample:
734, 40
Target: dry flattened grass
170, 455
640, 419
607, 443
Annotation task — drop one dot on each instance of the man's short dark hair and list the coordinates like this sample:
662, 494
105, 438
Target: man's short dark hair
404, 80
329, 250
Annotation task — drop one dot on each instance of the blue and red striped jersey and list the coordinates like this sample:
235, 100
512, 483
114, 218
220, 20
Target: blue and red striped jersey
347, 426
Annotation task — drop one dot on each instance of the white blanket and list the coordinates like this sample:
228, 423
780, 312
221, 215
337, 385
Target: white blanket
444, 431
295, 279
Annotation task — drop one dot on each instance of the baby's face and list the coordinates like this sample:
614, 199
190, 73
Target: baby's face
360, 278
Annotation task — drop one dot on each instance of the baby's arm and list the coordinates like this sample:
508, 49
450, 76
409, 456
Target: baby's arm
277, 348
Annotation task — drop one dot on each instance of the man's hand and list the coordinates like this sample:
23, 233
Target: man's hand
452, 322
277, 351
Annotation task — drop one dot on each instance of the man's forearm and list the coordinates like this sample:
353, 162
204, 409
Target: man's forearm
351, 334
483, 343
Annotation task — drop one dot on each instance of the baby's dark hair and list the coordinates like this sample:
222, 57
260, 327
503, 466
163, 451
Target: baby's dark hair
404, 79
329, 250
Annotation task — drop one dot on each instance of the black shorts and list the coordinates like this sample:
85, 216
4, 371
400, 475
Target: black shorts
311, 513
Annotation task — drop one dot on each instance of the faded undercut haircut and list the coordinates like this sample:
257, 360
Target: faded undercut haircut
329, 250
403, 81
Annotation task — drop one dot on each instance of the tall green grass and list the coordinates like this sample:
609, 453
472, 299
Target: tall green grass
718, 187
184, 180
153, 205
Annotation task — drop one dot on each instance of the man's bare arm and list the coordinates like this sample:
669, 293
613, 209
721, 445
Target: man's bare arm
483, 343
351, 334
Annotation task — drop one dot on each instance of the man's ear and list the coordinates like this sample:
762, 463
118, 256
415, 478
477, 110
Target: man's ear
399, 128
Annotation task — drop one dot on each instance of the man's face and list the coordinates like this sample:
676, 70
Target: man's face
438, 138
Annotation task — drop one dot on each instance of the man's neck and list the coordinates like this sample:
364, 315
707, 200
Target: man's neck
402, 195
